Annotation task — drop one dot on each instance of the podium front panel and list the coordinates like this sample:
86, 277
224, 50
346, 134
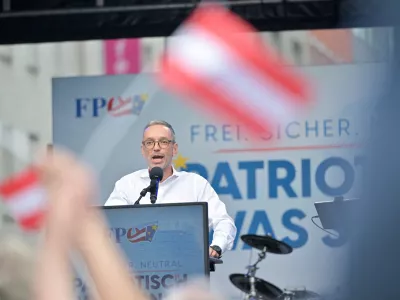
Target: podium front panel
165, 244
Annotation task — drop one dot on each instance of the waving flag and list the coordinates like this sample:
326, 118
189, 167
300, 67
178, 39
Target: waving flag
217, 61
25, 199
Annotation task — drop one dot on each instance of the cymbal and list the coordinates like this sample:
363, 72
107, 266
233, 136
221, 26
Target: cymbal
264, 289
261, 241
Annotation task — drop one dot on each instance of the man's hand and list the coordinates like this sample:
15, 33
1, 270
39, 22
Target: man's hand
213, 253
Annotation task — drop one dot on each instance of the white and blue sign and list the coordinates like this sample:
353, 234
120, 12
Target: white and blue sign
268, 184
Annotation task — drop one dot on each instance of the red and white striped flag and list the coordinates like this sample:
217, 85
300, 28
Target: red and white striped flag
25, 198
218, 61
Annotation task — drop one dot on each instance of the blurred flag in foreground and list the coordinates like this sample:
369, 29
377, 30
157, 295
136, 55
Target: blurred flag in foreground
217, 61
25, 198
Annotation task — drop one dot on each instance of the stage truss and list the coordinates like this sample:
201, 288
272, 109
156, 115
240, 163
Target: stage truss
24, 21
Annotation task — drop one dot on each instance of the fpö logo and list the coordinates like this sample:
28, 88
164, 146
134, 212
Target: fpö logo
114, 106
135, 235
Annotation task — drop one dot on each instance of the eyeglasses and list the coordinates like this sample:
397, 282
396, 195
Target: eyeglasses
164, 143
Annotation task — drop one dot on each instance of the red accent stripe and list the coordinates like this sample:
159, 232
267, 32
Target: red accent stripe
137, 233
116, 110
141, 239
241, 38
33, 221
295, 148
175, 77
19, 182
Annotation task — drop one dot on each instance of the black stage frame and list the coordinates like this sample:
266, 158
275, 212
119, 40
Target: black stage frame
23, 21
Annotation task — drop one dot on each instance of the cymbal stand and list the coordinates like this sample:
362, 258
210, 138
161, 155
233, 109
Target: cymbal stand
252, 269
287, 295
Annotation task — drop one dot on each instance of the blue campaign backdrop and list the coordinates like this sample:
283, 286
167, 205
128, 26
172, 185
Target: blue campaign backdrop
269, 184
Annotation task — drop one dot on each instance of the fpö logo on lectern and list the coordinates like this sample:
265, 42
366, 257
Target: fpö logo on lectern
118, 106
137, 234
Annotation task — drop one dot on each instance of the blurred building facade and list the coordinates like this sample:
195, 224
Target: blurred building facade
26, 72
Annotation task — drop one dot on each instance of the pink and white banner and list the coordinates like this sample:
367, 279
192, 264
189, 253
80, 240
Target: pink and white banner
122, 56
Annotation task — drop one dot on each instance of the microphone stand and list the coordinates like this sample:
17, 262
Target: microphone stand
142, 194
153, 191
153, 188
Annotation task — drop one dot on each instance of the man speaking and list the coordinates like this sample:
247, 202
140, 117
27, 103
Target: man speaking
158, 148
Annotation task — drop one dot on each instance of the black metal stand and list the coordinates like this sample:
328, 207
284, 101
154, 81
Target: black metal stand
252, 269
142, 194
286, 295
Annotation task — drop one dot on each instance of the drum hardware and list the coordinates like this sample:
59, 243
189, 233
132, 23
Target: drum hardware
263, 290
252, 269
287, 295
265, 244
261, 241
257, 288
292, 294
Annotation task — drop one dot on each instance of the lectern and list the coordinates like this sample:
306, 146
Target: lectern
165, 244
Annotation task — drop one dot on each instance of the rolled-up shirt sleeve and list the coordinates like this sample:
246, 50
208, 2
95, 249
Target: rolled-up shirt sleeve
222, 224
118, 196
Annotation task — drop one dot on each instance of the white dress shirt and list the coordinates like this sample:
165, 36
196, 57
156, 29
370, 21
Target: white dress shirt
179, 187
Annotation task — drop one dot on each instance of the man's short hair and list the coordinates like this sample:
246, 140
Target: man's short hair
163, 123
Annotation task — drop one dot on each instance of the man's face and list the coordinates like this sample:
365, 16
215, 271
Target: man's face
157, 146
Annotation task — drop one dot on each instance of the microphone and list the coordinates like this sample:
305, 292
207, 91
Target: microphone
156, 175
